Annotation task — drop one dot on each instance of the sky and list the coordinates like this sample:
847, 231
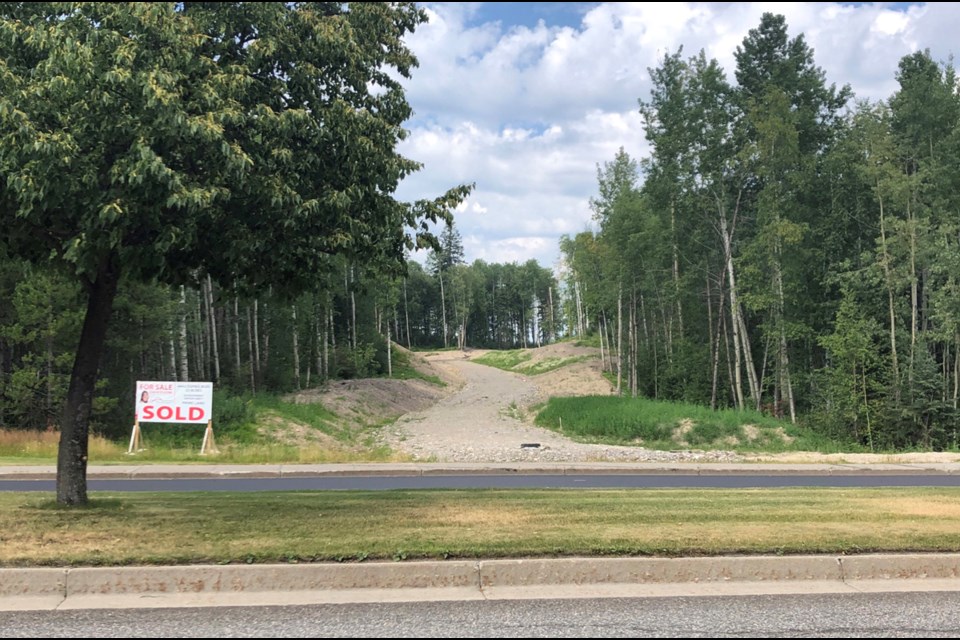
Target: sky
527, 100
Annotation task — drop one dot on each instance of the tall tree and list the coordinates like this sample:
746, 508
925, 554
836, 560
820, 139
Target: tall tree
250, 141
447, 254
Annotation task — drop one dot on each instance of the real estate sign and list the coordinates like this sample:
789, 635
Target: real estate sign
190, 402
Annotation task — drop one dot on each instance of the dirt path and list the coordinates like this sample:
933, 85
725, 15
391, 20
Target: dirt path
483, 420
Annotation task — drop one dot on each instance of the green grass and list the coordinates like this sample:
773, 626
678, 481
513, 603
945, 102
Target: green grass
517, 360
226, 527
507, 359
404, 370
672, 425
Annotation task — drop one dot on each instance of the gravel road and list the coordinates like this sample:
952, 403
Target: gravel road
484, 420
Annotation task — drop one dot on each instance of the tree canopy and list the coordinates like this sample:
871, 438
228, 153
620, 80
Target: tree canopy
248, 141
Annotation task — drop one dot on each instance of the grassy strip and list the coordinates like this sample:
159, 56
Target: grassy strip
217, 527
515, 360
664, 425
508, 360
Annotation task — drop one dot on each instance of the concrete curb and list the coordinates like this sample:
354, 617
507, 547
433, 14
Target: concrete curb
243, 585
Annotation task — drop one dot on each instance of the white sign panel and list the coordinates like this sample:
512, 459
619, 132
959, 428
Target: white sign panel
175, 402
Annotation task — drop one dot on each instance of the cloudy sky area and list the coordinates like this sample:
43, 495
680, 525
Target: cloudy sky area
526, 99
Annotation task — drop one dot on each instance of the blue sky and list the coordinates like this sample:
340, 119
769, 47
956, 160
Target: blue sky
528, 14
527, 99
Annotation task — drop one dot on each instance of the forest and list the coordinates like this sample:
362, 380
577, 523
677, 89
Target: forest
785, 246
266, 342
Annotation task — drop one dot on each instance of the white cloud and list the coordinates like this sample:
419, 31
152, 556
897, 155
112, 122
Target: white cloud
528, 113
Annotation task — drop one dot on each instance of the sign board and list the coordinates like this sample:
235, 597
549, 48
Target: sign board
190, 402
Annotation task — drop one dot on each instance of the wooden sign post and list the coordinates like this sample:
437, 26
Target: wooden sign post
135, 439
208, 444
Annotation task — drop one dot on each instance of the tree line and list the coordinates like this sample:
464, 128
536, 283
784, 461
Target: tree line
785, 246
342, 328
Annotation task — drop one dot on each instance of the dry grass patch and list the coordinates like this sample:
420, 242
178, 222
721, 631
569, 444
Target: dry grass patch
204, 527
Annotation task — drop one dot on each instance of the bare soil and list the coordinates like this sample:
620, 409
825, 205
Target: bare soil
484, 414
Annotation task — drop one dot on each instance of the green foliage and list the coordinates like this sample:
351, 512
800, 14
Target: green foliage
251, 142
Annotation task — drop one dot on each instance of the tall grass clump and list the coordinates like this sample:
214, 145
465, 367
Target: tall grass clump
658, 424
31, 446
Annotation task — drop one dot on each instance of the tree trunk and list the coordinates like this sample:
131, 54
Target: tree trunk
172, 353
252, 348
320, 337
620, 338
265, 362
443, 308
603, 361
236, 338
716, 345
75, 424
333, 338
676, 267
579, 303
741, 345
353, 322
184, 356
956, 372
914, 298
256, 341
553, 327
633, 344
296, 348
389, 354
211, 314
202, 339
406, 312
328, 337
888, 278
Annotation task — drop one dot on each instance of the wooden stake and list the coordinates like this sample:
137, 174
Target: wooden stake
208, 444
135, 439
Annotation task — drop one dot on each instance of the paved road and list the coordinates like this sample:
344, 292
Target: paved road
480, 475
459, 480
848, 615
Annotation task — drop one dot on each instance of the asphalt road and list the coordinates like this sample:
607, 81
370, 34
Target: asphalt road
853, 615
470, 481
374, 476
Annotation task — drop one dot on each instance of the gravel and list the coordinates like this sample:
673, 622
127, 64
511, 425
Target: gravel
485, 419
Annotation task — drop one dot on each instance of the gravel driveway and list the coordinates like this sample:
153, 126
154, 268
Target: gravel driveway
483, 421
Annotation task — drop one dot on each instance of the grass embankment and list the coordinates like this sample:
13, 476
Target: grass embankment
656, 424
270, 431
519, 361
214, 527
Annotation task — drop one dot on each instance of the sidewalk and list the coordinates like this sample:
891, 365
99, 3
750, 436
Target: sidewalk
236, 585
